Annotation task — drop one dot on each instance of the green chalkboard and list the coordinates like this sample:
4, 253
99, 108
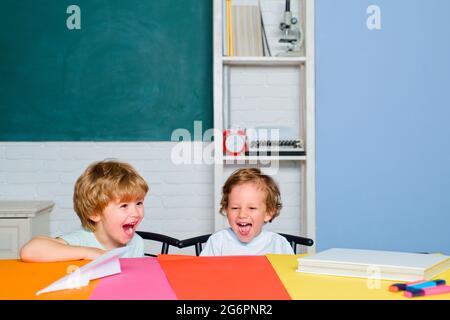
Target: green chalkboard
135, 70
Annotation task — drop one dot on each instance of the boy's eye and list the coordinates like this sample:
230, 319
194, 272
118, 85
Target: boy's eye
253, 208
140, 203
124, 205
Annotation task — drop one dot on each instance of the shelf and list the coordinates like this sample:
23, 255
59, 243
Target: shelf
234, 89
264, 158
264, 61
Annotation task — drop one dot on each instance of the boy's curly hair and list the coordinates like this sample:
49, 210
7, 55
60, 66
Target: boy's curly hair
265, 182
102, 182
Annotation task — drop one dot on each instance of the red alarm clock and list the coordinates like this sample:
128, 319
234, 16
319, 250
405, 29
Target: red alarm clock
234, 142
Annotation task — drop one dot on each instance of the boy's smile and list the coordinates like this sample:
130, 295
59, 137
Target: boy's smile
117, 224
247, 211
129, 228
244, 228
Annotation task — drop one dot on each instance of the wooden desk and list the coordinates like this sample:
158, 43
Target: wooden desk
20, 280
303, 286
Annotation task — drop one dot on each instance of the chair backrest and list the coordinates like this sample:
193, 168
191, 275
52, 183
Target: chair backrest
165, 240
195, 241
200, 240
296, 240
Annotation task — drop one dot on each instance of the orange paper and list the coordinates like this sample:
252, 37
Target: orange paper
223, 278
21, 280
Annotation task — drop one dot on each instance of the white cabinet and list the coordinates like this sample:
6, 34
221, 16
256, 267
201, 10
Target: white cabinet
269, 91
19, 222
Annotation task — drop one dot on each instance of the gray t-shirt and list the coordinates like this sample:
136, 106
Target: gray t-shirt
86, 238
226, 243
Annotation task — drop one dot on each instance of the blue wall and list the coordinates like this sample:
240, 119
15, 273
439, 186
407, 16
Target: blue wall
383, 126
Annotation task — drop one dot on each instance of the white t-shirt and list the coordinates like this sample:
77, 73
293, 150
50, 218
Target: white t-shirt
226, 243
86, 238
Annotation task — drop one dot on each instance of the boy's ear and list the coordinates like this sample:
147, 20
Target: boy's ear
95, 217
269, 215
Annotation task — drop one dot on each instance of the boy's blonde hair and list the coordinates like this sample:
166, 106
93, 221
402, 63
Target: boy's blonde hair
265, 182
102, 182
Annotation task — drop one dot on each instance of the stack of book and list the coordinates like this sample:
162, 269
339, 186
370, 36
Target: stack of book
243, 29
384, 265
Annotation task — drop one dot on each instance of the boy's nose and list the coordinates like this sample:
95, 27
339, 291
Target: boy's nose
242, 213
134, 211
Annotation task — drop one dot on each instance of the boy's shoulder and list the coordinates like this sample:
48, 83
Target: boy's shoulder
271, 234
228, 233
265, 235
278, 243
224, 235
274, 236
81, 231
80, 237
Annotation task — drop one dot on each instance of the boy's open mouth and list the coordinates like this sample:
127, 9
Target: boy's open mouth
128, 228
244, 228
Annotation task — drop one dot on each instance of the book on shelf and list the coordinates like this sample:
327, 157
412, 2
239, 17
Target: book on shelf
266, 48
224, 28
243, 29
373, 264
228, 41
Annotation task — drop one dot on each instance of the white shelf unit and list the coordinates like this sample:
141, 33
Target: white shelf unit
304, 165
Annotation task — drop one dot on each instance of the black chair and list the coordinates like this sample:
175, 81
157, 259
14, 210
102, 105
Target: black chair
195, 241
165, 240
200, 240
296, 240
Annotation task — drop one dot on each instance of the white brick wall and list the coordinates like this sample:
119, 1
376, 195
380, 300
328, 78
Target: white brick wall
180, 201
265, 96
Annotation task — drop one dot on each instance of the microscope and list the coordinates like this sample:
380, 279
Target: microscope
292, 33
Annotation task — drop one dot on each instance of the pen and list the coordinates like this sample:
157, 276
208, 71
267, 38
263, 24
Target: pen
427, 291
427, 284
416, 285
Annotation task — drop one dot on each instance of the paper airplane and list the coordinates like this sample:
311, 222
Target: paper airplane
105, 265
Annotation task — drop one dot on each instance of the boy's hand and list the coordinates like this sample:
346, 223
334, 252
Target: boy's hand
93, 253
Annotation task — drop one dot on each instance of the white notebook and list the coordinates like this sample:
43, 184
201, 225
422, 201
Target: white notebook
385, 265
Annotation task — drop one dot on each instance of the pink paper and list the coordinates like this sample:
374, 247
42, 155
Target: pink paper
140, 279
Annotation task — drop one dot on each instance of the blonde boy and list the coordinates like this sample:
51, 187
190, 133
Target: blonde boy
109, 200
249, 200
